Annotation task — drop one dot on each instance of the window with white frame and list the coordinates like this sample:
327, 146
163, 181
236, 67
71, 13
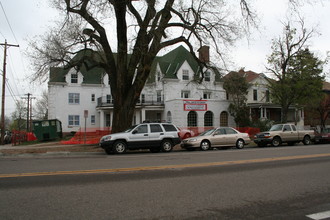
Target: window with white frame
74, 120
185, 74
185, 94
207, 76
192, 119
74, 78
93, 119
255, 95
224, 119
159, 96
206, 95
74, 98
169, 117
208, 118
109, 99
93, 97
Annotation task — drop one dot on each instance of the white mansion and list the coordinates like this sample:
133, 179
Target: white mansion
172, 93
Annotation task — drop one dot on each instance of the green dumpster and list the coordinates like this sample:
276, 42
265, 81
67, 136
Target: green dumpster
46, 130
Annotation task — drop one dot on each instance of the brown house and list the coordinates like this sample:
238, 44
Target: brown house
259, 102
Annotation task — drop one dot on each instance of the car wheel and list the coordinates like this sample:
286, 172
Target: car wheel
167, 146
307, 140
119, 147
205, 145
240, 144
276, 142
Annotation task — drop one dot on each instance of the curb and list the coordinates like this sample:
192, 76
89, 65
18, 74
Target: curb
51, 154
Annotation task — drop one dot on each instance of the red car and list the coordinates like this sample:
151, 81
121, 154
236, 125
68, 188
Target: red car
323, 137
185, 133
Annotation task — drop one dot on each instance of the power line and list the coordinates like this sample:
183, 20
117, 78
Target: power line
11, 29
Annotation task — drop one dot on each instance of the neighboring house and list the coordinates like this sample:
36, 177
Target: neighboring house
259, 101
173, 93
313, 115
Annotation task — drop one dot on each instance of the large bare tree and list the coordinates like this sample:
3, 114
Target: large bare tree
129, 34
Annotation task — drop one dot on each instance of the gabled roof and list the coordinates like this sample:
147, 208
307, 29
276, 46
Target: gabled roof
88, 68
248, 75
169, 64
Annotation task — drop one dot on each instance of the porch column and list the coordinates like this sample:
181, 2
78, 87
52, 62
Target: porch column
102, 119
143, 115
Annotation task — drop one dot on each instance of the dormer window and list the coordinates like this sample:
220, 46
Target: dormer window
185, 74
207, 76
74, 78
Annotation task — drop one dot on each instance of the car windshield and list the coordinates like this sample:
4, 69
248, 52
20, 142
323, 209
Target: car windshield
276, 128
208, 132
130, 129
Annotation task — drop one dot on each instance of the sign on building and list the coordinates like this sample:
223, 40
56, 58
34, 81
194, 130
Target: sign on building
195, 105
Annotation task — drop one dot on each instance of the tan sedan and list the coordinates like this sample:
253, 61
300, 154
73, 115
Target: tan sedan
217, 137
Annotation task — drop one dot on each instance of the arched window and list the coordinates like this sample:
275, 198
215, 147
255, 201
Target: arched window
208, 118
224, 119
192, 119
169, 117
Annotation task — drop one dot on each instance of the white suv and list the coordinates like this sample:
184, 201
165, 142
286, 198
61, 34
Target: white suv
154, 136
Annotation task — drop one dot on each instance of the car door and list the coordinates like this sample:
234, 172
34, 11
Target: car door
139, 137
217, 139
156, 135
287, 134
231, 137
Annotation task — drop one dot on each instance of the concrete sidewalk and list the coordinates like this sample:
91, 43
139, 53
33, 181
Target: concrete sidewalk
46, 148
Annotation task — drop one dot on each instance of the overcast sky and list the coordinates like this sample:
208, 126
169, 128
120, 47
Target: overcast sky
28, 18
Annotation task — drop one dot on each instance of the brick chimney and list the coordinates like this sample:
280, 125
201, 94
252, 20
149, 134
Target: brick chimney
204, 54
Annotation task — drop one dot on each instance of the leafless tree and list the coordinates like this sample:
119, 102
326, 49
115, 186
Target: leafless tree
41, 107
135, 31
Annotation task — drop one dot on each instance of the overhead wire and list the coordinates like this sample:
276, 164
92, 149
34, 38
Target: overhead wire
11, 29
13, 71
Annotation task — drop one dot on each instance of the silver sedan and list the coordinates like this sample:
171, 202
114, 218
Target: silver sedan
217, 137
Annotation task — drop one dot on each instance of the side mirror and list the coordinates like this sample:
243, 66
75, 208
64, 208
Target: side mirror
134, 132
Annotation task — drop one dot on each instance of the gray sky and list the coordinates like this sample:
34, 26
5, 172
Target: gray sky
28, 18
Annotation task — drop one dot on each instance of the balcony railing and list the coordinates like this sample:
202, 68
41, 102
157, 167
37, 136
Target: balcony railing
105, 101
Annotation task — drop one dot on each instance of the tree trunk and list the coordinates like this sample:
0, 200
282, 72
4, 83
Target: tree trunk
284, 114
123, 112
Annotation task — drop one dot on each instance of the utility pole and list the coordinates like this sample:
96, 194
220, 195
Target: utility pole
29, 112
6, 45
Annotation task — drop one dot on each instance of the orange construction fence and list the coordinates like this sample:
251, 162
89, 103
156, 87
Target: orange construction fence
19, 137
90, 136
93, 135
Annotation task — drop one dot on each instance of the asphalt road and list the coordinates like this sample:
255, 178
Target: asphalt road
265, 183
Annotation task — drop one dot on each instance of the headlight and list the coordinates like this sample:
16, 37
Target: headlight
106, 138
192, 140
267, 135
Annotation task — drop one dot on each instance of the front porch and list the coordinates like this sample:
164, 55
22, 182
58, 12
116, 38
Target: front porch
273, 113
